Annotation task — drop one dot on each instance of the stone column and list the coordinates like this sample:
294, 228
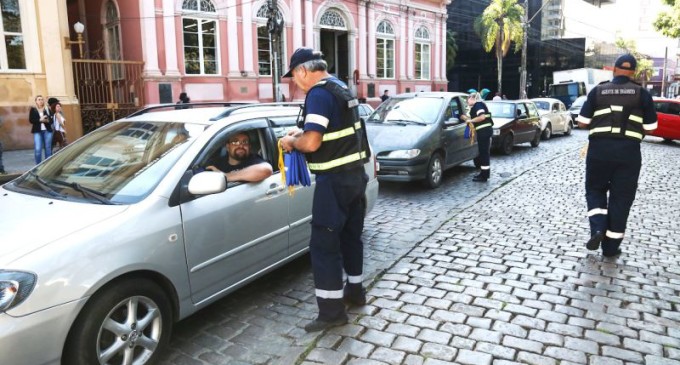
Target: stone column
402, 43
233, 40
171, 68
309, 24
363, 44
297, 23
371, 40
149, 40
247, 27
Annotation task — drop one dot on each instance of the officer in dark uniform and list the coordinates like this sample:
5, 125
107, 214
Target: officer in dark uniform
336, 148
617, 114
483, 124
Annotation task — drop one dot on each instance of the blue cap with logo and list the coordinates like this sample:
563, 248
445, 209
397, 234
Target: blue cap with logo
300, 56
626, 62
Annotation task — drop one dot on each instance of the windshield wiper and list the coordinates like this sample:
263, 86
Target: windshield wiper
45, 185
87, 192
405, 121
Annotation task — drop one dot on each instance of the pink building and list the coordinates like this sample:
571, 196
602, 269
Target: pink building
217, 50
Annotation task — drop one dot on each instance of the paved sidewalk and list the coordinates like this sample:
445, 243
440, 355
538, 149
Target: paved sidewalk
509, 281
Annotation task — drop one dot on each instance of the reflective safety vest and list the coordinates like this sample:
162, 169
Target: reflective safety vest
343, 147
618, 111
488, 122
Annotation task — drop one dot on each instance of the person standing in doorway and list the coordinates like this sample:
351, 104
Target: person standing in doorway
618, 114
480, 117
336, 149
41, 129
385, 95
183, 99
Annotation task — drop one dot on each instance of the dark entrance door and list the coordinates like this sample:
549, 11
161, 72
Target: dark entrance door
334, 45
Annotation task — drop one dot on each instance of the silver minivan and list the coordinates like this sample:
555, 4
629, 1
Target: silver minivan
122, 233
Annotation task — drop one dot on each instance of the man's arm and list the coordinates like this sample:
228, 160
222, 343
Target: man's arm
305, 142
252, 173
649, 119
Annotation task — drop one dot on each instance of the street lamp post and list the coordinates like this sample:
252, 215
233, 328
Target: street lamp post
79, 28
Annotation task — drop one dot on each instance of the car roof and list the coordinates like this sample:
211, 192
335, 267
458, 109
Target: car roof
508, 101
551, 100
208, 114
430, 94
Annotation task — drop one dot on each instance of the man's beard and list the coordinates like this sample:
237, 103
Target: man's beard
240, 155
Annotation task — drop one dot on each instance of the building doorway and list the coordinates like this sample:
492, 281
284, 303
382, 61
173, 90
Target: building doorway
334, 45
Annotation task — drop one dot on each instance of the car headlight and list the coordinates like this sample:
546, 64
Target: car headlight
496, 132
15, 287
403, 154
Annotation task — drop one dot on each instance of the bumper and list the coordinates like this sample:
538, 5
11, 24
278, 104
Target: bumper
36, 339
392, 170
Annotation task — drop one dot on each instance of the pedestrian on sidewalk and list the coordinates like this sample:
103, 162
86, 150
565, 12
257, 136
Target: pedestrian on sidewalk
41, 128
336, 150
480, 117
2, 167
59, 136
618, 114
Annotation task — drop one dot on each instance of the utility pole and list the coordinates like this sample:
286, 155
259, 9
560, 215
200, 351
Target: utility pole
663, 80
523, 73
275, 27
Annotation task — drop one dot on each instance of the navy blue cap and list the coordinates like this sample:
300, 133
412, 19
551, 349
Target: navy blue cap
626, 62
300, 56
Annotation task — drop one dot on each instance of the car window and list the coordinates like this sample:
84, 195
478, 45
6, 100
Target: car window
501, 110
282, 125
419, 110
454, 110
531, 111
561, 107
215, 152
521, 109
674, 108
120, 163
661, 107
543, 105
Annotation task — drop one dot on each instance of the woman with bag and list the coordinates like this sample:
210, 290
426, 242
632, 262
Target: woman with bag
41, 129
59, 128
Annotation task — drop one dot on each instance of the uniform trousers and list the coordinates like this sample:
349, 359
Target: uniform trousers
335, 245
484, 144
611, 185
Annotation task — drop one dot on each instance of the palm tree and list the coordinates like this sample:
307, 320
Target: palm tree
499, 25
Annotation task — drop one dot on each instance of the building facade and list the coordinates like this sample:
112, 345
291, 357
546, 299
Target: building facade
138, 53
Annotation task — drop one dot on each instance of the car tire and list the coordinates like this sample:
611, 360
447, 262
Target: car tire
507, 144
537, 138
667, 140
568, 131
144, 335
435, 171
547, 132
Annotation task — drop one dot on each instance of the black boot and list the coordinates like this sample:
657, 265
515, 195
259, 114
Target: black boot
354, 295
483, 176
594, 241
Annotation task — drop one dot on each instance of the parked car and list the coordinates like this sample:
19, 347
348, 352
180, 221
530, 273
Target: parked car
575, 109
417, 136
514, 122
122, 233
365, 111
554, 117
668, 116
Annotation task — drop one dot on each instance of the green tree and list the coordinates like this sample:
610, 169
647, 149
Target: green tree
451, 49
668, 22
645, 66
499, 25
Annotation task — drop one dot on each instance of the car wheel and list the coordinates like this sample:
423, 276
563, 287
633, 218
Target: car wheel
435, 171
507, 144
667, 140
128, 322
568, 131
537, 139
547, 132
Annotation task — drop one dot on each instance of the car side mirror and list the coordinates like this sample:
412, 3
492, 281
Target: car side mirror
451, 121
207, 182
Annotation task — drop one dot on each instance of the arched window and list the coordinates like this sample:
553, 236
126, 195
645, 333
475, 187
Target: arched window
199, 25
422, 54
112, 38
264, 50
385, 50
12, 53
332, 19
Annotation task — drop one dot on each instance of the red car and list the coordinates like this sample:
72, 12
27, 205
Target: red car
668, 115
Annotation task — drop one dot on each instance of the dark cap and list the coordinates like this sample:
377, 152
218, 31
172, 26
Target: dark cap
52, 101
300, 56
626, 62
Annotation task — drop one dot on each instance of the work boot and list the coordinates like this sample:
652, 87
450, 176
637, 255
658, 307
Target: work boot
319, 325
354, 295
594, 241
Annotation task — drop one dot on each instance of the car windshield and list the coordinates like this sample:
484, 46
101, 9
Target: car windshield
120, 163
419, 110
578, 103
543, 105
501, 110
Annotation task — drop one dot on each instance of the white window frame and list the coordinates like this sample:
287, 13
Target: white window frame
422, 67
4, 61
199, 16
385, 36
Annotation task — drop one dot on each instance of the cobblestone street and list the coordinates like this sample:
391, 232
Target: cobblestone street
478, 274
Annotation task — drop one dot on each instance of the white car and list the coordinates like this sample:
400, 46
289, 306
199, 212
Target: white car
554, 117
123, 232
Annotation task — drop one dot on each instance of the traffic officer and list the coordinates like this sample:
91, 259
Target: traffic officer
336, 148
480, 117
617, 114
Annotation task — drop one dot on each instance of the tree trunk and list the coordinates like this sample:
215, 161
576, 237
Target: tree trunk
499, 55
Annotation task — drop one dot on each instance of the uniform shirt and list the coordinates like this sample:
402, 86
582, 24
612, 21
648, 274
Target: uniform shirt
617, 149
251, 160
478, 109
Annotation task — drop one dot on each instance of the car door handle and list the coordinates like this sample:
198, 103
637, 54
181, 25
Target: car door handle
275, 189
